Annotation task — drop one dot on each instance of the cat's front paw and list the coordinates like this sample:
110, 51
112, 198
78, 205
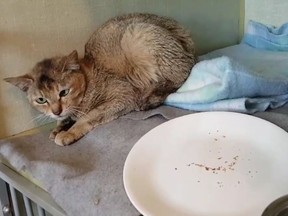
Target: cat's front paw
53, 134
64, 138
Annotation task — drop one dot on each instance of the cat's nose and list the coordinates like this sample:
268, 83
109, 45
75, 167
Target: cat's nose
57, 111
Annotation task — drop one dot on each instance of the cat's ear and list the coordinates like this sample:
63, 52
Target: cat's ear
72, 61
22, 82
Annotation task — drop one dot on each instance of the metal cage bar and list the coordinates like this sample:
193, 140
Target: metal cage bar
28, 208
41, 211
4, 199
27, 202
30, 194
14, 200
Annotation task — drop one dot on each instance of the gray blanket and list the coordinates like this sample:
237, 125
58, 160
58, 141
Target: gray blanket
86, 177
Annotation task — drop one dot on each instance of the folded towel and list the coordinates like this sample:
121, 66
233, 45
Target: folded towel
266, 37
224, 84
259, 60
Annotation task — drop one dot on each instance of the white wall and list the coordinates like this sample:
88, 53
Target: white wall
272, 12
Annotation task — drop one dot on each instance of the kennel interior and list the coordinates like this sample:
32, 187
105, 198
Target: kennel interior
33, 30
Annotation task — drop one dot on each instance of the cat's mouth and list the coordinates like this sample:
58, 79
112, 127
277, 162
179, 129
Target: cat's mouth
58, 117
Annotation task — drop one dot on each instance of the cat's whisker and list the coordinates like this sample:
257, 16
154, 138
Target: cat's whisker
76, 112
76, 108
44, 119
39, 119
80, 112
82, 115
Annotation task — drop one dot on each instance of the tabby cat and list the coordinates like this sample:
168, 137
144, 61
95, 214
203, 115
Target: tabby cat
131, 63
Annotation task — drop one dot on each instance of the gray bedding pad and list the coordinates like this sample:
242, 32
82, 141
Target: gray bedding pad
86, 177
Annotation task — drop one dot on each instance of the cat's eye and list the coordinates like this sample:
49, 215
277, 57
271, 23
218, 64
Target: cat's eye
64, 92
41, 100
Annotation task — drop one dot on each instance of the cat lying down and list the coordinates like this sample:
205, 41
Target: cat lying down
131, 63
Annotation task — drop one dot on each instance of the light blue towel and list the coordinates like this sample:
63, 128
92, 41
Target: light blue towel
223, 84
266, 37
249, 77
